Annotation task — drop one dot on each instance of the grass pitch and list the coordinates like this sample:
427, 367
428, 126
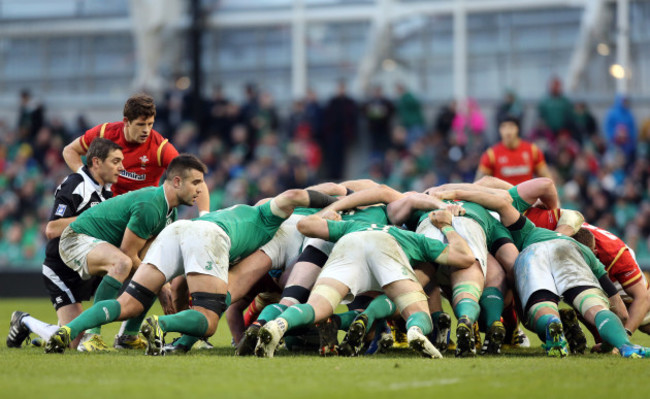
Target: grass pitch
28, 373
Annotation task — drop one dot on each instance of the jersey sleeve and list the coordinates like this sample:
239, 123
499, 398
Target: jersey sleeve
434, 248
486, 164
338, 229
90, 135
66, 201
165, 153
538, 156
624, 269
144, 220
596, 266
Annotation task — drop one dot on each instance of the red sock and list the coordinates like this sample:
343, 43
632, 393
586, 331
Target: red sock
510, 319
251, 313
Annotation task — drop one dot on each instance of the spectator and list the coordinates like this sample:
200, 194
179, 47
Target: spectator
620, 128
510, 107
445, 118
513, 159
556, 110
340, 131
409, 112
470, 120
584, 126
30, 116
378, 112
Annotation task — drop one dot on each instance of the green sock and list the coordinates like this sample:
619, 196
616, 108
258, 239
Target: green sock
271, 312
380, 308
191, 322
540, 326
435, 316
100, 313
132, 326
491, 305
346, 318
467, 307
421, 320
298, 315
186, 340
611, 329
107, 289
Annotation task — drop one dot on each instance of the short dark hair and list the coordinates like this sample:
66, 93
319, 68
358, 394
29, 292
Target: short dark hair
585, 237
511, 119
100, 148
138, 105
182, 163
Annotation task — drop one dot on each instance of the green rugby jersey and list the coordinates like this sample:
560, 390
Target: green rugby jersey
249, 227
517, 201
529, 235
145, 212
417, 247
372, 214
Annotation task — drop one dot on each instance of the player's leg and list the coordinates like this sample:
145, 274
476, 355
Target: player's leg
243, 276
440, 337
412, 305
491, 303
324, 298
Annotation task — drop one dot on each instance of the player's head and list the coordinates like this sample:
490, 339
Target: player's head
585, 237
185, 175
104, 160
139, 115
509, 130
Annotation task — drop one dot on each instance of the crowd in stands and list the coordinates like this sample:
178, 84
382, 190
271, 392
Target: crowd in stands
254, 151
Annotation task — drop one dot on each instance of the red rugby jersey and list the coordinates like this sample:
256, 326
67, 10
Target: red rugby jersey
144, 164
514, 166
610, 250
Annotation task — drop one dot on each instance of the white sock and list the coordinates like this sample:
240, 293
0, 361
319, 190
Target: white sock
122, 328
36, 326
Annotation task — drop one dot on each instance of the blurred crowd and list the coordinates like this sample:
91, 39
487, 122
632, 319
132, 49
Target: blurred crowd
253, 151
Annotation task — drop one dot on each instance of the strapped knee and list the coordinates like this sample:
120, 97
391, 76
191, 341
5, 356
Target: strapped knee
141, 294
218, 303
404, 300
329, 293
588, 298
470, 288
296, 294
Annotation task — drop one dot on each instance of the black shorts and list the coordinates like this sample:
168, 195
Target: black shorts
66, 287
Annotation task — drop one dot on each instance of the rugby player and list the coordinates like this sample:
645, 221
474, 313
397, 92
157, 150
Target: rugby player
552, 265
202, 249
107, 240
78, 192
370, 257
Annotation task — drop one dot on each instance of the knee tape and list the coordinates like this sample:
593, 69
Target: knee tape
589, 298
296, 294
141, 294
404, 300
329, 293
218, 303
532, 312
469, 288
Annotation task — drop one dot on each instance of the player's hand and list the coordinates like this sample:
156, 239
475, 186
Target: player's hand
456, 210
165, 298
444, 194
440, 218
331, 215
617, 306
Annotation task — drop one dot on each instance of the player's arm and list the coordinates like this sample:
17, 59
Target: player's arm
640, 305
470, 187
486, 164
54, 228
493, 182
509, 215
376, 195
314, 226
359, 184
132, 245
203, 200
329, 188
400, 210
457, 254
541, 188
72, 154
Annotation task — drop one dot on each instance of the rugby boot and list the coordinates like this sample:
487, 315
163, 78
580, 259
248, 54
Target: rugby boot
440, 336
175, 348
419, 343
556, 344
202, 344
494, 339
572, 331
59, 341
383, 339
154, 336
246, 346
269, 338
634, 351
353, 340
465, 342
92, 343
18, 333
129, 342
328, 335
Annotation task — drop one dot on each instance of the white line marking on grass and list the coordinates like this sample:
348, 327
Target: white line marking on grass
397, 386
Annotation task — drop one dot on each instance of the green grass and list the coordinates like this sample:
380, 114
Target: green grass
399, 374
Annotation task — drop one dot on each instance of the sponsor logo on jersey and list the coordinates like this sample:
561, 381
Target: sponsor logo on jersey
515, 170
144, 160
58, 299
133, 176
60, 210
